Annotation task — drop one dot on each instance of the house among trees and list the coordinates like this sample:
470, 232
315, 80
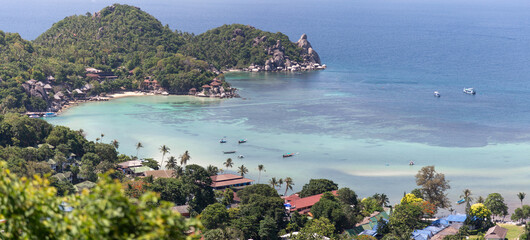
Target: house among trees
368, 226
84, 185
149, 84
133, 167
99, 75
182, 209
303, 205
496, 233
159, 173
65, 176
223, 181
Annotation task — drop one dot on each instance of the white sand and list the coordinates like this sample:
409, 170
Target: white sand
128, 94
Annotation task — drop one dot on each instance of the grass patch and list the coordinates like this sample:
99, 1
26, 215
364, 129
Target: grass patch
513, 231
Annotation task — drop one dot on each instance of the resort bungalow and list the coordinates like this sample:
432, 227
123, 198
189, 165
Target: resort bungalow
496, 233
302, 205
126, 167
149, 84
192, 91
139, 171
182, 209
66, 176
206, 89
368, 226
84, 185
456, 218
229, 181
53, 164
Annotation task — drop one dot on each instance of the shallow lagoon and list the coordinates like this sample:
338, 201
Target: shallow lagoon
362, 120
334, 134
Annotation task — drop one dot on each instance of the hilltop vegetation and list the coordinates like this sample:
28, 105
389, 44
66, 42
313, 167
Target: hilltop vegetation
238, 46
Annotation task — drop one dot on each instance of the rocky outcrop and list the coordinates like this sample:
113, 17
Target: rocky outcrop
280, 62
35, 89
308, 54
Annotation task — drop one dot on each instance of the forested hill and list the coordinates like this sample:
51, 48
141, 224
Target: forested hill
115, 36
126, 47
239, 46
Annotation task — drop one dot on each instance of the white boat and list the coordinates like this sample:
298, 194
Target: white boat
469, 91
436, 94
240, 156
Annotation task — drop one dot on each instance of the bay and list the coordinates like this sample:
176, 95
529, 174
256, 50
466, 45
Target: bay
360, 121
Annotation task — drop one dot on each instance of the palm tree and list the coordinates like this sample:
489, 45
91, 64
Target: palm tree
178, 171
97, 139
171, 163
163, 149
288, 184
212, 170
229, 163
138, 146
184, 158
115, 143
480, 199
521, 196
383, 200
280, 183
273, 182
102, 135
260, 168
242, 170
466, 195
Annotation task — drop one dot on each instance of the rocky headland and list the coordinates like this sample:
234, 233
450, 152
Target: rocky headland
281, 62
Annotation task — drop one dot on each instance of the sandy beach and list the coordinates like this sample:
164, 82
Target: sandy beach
129, 94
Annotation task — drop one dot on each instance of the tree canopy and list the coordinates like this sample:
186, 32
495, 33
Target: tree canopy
318, 186
433, 186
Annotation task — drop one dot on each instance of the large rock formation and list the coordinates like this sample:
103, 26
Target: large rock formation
280, 62
308, 54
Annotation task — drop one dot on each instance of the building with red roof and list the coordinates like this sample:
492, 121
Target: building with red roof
303, 205
229, 180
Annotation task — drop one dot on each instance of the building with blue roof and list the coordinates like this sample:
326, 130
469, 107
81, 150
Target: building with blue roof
457, 218
438, 226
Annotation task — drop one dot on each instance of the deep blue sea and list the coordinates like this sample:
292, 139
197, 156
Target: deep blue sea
364, 118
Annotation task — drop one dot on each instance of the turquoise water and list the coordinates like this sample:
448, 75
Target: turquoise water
362, 120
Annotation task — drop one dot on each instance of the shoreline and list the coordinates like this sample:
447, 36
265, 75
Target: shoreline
116, 95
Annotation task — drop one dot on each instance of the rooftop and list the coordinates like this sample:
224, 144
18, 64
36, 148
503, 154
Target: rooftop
225, 177
496, 232
128, 164
140, 169
159, 173
300, 203
225, 180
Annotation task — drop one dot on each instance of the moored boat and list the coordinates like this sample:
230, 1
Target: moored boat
222, 141
469, 91
411, 163
242, 141
288, 155
50, 114
461, 201
240, 156
229, 152
437, 94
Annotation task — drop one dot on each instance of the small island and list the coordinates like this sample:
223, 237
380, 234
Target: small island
121, 48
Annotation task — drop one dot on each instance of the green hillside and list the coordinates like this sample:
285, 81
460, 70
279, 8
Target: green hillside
238, 46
